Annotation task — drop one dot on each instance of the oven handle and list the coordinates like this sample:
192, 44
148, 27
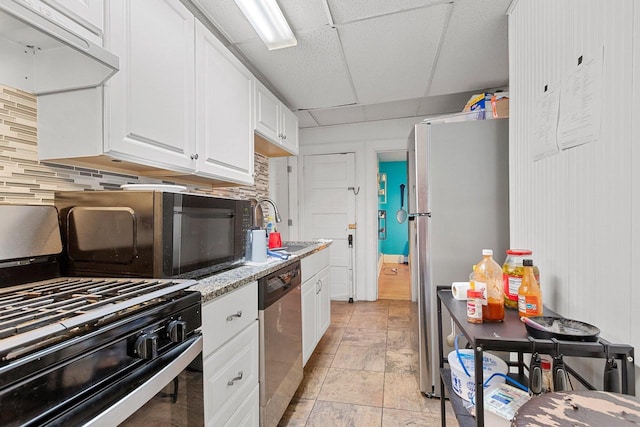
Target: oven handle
125, 407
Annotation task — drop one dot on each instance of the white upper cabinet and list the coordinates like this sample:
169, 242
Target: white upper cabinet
181, 106
89, 13
151, 104
289, 136
224, 128
275, 123
267, 114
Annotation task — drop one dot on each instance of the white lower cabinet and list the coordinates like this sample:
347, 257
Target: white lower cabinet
316, 303
324, 302
230, 354
309, 319
247, 415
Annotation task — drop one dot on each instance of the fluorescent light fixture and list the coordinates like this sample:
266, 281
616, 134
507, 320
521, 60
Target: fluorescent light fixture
267, 19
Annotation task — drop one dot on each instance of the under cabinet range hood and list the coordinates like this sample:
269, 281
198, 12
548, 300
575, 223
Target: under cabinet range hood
39, 55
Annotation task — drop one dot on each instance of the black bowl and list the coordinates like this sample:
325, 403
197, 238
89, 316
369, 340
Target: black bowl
563, 329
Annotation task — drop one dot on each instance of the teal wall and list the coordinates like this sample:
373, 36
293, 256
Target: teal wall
397, 234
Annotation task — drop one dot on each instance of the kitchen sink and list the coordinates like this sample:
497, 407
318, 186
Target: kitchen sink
295, 247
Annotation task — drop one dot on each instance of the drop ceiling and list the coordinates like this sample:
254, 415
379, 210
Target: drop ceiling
364, 60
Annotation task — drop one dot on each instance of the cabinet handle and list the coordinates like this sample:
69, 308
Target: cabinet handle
284, 136
231, 316
194, 156
318, 289
238, 378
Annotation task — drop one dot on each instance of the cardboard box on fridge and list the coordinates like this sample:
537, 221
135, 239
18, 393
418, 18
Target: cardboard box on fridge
500, 105
478, 103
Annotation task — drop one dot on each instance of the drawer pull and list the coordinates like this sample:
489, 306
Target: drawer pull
238, 378
238, 314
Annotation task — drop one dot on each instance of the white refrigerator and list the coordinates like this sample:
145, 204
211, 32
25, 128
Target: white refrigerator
458, 205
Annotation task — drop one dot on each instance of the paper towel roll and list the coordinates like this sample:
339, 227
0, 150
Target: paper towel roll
459, 290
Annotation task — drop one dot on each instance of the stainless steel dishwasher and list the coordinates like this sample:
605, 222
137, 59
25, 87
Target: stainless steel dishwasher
280, 318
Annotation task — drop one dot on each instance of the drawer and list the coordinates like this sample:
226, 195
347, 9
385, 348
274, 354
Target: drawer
224, 317
248, 414
230, 375
314, 263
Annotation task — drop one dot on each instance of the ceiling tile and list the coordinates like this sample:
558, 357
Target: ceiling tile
474, 54
338, 116
305, 120
442, 104
390, 57
304, 15
392, 110
228, 18
312, 74
352, 10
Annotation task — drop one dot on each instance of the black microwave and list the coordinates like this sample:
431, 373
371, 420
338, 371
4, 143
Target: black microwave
150, 233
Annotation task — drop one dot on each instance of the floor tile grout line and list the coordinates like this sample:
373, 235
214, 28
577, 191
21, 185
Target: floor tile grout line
342, 341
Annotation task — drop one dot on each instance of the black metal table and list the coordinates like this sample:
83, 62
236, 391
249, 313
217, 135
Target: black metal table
511, 335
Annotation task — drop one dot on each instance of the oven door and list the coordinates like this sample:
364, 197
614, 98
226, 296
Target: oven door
171, 396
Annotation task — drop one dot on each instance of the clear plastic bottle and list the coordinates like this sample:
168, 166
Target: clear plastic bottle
488, 274
529, 294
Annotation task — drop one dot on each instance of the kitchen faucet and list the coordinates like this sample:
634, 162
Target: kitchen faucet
275, 210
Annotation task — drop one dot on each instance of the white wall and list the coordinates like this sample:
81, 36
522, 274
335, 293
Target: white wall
365, 140
579, 209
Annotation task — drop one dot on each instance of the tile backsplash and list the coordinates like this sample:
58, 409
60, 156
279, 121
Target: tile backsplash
25, 180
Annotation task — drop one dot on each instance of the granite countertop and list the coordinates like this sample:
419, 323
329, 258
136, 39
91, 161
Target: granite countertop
219, 284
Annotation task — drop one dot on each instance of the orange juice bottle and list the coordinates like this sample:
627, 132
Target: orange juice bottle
529, 293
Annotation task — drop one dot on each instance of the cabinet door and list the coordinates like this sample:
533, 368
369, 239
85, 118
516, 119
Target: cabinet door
309, 319
324, 302
89, 13
224, 127
230, 374
248, 413
267, 120
150, 101
289, 128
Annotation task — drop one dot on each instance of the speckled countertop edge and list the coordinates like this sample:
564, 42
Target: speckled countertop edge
217, 285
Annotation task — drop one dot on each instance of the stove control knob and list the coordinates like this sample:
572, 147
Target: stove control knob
146, 346
177, 331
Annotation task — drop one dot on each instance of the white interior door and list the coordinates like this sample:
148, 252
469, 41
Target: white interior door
328, 208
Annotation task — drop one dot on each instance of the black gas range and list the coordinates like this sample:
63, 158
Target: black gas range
76, 351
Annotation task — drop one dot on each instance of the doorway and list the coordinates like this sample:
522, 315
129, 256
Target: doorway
394, 278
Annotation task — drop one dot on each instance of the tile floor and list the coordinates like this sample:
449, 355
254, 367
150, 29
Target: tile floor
364, 372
